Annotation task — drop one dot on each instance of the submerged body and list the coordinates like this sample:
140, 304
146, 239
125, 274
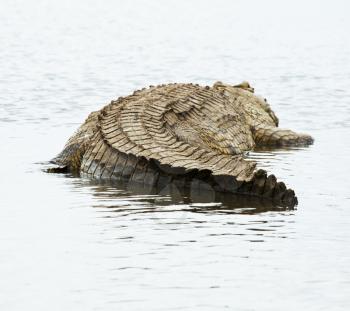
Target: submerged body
181, 134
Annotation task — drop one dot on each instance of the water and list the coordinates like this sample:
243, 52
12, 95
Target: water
69, 244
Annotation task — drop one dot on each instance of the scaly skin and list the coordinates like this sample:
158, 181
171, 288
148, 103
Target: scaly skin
180, 133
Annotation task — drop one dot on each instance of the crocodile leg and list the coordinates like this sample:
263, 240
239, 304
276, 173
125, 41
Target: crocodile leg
274, 136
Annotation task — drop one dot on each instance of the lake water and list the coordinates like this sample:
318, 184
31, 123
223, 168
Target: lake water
69, 244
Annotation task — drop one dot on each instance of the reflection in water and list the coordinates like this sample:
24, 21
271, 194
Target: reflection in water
267, 157
136, 198
130, 205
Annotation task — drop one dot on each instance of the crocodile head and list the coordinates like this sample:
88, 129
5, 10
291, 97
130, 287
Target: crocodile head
255, 107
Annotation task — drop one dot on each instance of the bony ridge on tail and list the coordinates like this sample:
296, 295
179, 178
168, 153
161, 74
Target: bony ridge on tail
180, 133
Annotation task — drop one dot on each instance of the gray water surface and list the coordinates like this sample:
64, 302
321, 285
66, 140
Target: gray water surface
71, 244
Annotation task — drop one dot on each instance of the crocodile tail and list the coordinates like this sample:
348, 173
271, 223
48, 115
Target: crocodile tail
267, 186
103, 162
260, 185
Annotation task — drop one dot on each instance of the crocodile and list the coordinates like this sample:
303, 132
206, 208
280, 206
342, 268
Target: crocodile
184, 134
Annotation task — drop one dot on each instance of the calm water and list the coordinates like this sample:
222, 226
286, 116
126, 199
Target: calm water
69, 244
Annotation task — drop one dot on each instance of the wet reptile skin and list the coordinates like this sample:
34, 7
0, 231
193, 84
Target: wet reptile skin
180, 133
